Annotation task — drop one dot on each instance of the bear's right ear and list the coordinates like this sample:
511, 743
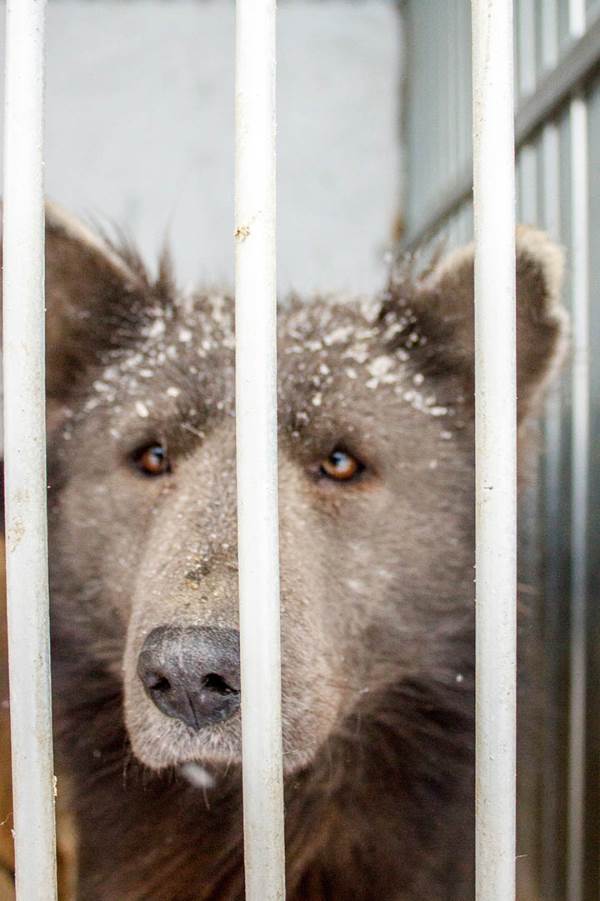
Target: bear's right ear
95, 299
434, 316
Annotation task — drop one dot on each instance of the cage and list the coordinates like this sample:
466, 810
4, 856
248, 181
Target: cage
557, 53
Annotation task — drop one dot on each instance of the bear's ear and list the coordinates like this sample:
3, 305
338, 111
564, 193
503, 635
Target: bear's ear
95, 299
439, 312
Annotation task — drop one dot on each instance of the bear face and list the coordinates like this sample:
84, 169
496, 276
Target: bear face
373, 562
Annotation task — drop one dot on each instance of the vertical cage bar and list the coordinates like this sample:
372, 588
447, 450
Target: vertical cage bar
552, 856
580, 438
495, 393
526, 50
528, 195
25, 453
579, 488
550, 37
256, 417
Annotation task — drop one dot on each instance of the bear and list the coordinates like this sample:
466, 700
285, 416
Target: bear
376, 499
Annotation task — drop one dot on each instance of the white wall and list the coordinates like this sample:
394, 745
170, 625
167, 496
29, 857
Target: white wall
140, 129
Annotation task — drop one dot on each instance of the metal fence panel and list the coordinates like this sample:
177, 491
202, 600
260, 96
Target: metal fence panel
558, 163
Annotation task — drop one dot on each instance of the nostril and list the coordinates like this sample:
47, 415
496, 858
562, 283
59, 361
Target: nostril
157, 683
217, 684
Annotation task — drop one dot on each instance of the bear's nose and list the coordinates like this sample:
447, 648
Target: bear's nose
192, 673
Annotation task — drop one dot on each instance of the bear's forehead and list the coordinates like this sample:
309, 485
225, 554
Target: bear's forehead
329, 353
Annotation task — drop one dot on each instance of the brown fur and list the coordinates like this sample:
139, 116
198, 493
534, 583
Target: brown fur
377, 590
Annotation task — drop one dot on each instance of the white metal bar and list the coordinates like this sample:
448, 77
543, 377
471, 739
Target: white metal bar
552, 851
551, 180
256, 402
528, 199
526, 54
580, 437
25, 453
552, 844
495, 379
577, 18
549, 34
580, 450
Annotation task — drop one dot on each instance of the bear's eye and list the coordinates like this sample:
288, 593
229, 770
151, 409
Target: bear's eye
152, 460
341, 466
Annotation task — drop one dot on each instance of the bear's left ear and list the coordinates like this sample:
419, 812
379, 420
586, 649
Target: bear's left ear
441, 306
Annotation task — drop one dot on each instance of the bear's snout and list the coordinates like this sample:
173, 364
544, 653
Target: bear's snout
192, 673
